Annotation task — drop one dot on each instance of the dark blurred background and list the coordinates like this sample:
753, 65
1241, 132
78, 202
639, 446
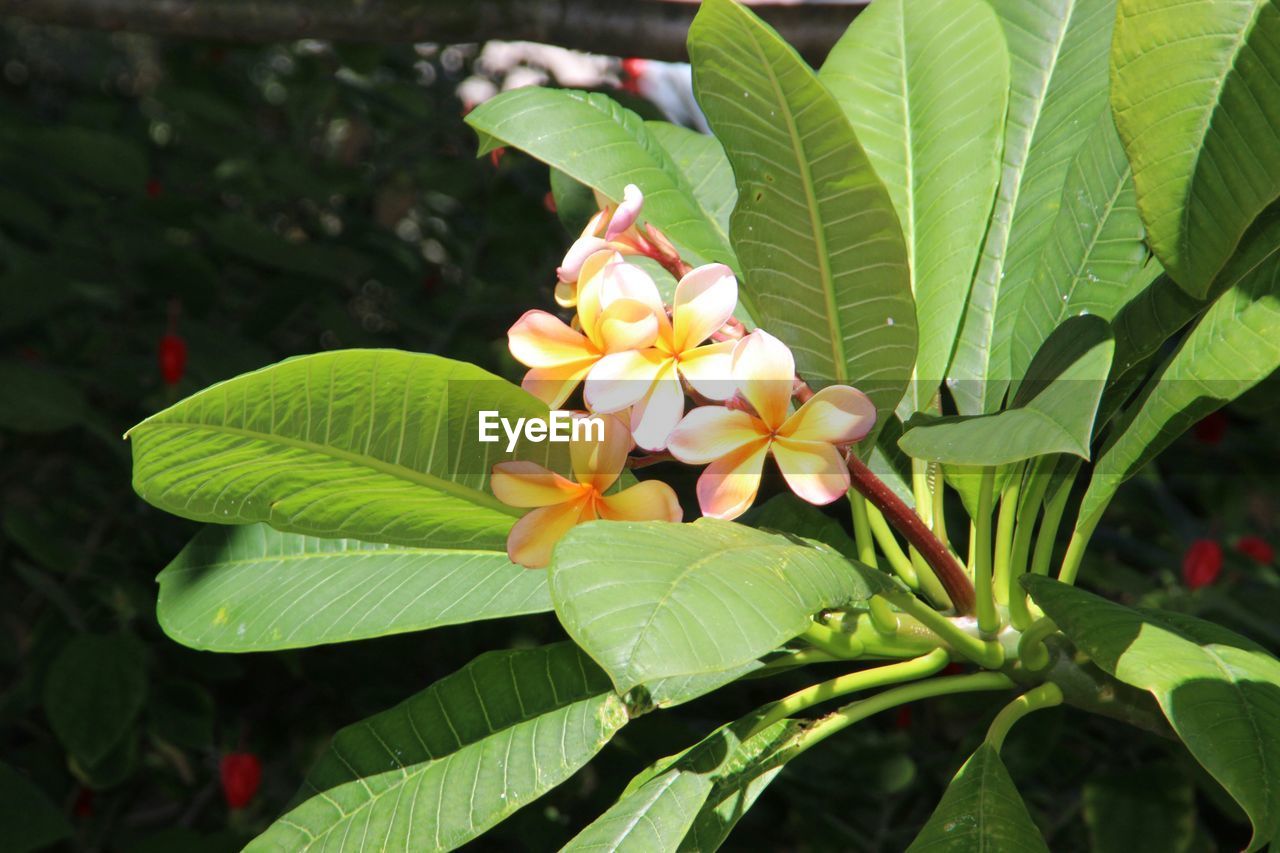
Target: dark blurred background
175, 212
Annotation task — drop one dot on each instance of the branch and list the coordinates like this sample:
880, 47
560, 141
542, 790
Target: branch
653, 29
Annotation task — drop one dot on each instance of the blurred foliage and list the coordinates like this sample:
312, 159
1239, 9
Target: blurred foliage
262, 202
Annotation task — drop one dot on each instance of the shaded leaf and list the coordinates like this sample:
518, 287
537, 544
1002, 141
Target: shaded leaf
28, 820
707, 173
1144, 809
95, 688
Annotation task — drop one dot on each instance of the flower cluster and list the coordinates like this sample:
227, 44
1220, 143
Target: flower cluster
639, 362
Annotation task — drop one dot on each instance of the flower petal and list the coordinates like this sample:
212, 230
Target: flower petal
709, 433
627, 213
621, 280
598, 462
539, 339
532, 538
764, 370
837, 414
728, 486
814, 470
709, 369
656, 414
570, 268
553, 385
566, 293
652, 500
627, 324
704, 301
528, 484
620, 379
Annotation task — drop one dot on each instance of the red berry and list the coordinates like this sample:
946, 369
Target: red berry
1202, 563
154, 188
496, 155
83, 806
1210, 429
632, 68
549, 201
173, 358
1256, 548
241, 774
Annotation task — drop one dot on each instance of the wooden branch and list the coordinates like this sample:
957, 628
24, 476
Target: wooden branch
653, 29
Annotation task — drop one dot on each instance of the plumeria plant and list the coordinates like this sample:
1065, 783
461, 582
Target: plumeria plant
955, 286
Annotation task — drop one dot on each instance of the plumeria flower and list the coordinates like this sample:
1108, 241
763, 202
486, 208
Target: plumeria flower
736, 442
558, 355
649, 379
561, 503
610, 230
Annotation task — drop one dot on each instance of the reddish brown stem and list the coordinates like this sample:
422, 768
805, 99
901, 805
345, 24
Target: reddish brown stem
952, 577
648, 459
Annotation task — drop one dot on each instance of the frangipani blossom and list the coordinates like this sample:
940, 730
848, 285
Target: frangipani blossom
560, 356
649, 379
803, 444
560, 503
610, 230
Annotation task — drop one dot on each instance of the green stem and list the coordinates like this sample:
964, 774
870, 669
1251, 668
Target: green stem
988, 622
846, 716
920, 490
894, 673
986, 653
1076, 547
939, 503
1045, 696
839, 643
898, 559
1032, 651
862, 529
1048, 536
1028, 510
1004, 536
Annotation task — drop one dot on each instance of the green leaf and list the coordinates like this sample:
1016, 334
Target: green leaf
36, 400
251, 588
691, 801
1152, 808
1233, 347
786, 513
95, 688
925, 84
1094, 255
592, 139
1054, 412
981, 810
1194, 95
655, 600
447, 764
378, 445
1058, 52
1220, 691
818, 240
706, 170
28, 820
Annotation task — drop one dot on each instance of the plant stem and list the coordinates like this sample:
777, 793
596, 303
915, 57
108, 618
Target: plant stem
950, 575
1076, 547
894, 673
988, 622
1004, 536
898, 559
839, 643
1045, 696
1031, 648
862, 530
1048, 536
846, 716
939, 503
986, 653
1028, 510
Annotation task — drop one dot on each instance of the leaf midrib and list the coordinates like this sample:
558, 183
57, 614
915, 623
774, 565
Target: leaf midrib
422, 478
325, 555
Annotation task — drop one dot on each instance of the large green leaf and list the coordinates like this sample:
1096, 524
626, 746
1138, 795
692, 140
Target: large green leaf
655, 600
1094, 255
95, 688
691, 801
1151, 808
981, 810
445, 765
1194, 94
815, 231
1058, 52
1054, 412
605, 146
706, 170
1220, 691
1234, 346
378, 445
925, 84
28, 821
251, 588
